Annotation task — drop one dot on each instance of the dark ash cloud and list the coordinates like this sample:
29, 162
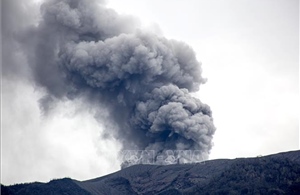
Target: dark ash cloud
81, 48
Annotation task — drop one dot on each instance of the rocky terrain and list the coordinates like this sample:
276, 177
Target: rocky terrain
273, 174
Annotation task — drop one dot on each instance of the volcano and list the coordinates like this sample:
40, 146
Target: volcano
272, 174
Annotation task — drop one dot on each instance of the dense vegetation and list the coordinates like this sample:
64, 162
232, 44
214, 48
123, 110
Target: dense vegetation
255, 176
64, 186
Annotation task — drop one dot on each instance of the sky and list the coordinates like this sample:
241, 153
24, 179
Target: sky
250, 55
249, 52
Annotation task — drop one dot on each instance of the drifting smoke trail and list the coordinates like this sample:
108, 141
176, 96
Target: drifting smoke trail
81, 47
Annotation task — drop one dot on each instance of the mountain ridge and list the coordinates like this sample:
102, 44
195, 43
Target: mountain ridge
271, 174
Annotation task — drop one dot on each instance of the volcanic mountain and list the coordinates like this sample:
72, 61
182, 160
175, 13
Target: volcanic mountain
272, 174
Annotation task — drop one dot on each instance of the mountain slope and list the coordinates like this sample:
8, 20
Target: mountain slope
61, 186
273, 174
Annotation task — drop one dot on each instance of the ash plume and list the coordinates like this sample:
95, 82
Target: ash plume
81, 48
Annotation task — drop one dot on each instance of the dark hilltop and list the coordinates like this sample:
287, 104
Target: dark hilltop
272, 174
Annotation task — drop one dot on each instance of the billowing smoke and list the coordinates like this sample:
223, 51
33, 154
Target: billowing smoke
80, 48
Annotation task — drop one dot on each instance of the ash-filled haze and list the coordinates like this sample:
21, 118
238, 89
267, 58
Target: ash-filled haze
138, 83
85, 80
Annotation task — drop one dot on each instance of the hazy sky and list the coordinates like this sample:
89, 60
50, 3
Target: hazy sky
249, 51
250, 54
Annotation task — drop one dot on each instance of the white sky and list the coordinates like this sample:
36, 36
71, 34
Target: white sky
249, 51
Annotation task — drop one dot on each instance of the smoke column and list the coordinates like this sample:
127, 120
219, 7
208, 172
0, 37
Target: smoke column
80, 48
